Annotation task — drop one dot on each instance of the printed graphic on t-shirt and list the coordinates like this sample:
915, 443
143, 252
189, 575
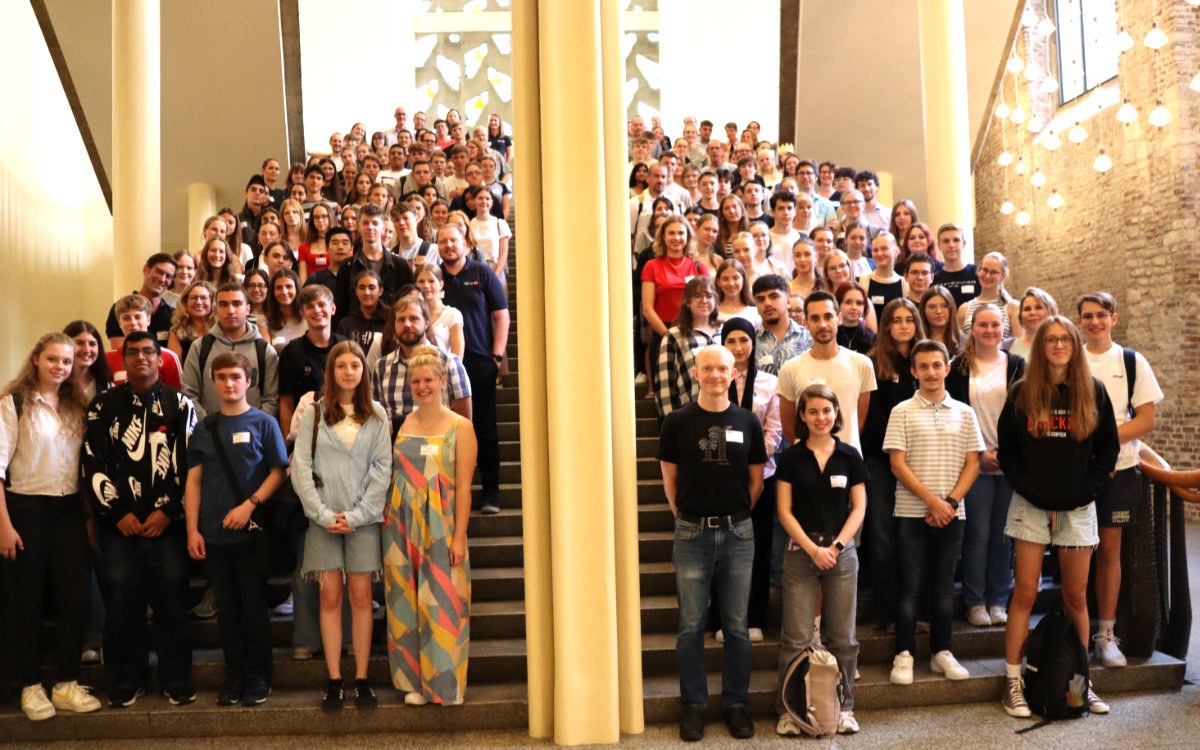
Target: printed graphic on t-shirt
1060, 424
714, 444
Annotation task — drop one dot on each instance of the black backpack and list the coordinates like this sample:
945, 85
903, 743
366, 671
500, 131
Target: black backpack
1056, 669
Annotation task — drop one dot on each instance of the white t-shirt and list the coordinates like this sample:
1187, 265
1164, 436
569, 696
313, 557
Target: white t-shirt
442, 324
488, 232
347, 429
781, 249
849, 374
1109, 369
988, 391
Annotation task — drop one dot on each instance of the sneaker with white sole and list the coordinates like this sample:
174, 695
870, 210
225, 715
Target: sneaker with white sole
847, 724
71, 696
755, 634
35, 704
902, 669
284, 608
1014, 698
1107, 649
998, 614
415, 699
1094, 704
943, 662
207, 608
787, 727
720, 636
978, 616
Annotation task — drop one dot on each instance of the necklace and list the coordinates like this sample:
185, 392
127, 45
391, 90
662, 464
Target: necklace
421, 423
673, 264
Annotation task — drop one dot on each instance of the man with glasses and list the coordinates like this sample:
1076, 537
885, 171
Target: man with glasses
824, 212
919, 275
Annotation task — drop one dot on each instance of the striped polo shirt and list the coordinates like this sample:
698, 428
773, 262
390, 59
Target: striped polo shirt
935, 439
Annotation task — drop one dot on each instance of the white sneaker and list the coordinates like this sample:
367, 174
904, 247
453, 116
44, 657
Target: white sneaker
902, 669
1107, 650
284, 608
35, 704
1094, 704
943, 662
640, 379
755, 634
415, 699
70, 696
787, 727
998, 614
720, 636
847, 724
978, 616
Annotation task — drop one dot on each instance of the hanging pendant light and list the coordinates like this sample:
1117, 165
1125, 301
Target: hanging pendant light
1038, 179
1051, 142
1103, 163
1002, 110
1049, 85
1124, 40
1156, 38
1127, 113
1160, 115
1045, 27
1014, 64
1023, 218
1077, 134
1004, 159
1007, 208
1035, 124
1029, 19
1033, 72
1018, 115
1055, 201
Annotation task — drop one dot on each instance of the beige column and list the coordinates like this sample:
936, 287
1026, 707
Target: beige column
202, 203
884, 194
136, 171
947, 126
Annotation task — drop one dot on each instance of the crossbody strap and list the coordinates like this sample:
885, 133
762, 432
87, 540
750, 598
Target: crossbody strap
212, 421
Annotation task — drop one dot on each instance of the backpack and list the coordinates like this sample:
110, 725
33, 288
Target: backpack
1056, 669
812, 693
260, 348
18, 401
1129, 358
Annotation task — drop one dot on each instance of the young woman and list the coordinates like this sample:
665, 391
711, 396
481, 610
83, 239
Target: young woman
445, 322
899, 329
357, 196
426, 570
733, 294
348, 219
982, 376
90, 369
256, 284
341, 470
491, 235
185, 273
825, 187
855, 246
690, 181
43, 525
764, 262
853, 332
695, 328
663, 280
732, 214
276, 256
233, 236
1057, 445
904, 215
295, 231
822, 500
332, 190
706, 242
217, 267
284, 321
298, 193
939, 312
766, 169
366, 324
660, 208
438, 213
992, 271
314, 256
883, 284
823, 241
1036, 305
498, 140
638, 179
806, 279
193, 317
791, 163
742, 250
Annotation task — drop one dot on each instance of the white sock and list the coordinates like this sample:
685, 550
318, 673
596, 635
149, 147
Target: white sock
1012, 671
1106, 625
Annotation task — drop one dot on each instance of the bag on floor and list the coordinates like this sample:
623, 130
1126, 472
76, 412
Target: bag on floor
812, 692
1056, 669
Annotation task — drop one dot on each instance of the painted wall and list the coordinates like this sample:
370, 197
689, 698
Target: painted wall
55, 229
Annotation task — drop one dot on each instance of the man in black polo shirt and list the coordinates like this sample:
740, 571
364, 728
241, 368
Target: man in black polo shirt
712, 455
157, 275
473, 289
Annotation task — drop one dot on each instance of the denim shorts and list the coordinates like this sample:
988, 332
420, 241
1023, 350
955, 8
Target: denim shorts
356, 552
1072, 528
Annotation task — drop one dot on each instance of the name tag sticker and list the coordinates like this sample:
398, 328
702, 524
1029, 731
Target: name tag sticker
816, 381
429, 450
120, 376
837, 480
877, 299
733, 436
241, 437
968, 288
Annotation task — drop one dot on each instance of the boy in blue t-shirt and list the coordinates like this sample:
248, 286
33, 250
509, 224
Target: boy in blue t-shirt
218, 508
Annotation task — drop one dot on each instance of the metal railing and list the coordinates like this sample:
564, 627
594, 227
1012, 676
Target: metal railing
1156, 553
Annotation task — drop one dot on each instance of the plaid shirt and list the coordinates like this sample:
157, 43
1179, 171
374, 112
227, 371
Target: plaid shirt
394, 390
772, 353
676, 360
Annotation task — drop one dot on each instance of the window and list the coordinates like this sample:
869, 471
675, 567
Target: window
1087, 45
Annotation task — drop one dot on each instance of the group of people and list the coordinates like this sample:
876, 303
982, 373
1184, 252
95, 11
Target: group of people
831, 374
318, 378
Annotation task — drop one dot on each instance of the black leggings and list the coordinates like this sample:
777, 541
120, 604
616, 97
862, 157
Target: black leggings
53, 573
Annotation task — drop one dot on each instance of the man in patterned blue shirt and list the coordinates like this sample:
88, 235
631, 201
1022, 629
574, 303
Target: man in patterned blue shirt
779, 337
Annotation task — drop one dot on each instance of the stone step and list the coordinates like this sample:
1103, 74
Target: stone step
644, 427
647, 469
508, 411
508, 551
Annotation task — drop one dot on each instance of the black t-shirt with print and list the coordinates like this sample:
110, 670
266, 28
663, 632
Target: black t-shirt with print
713, 452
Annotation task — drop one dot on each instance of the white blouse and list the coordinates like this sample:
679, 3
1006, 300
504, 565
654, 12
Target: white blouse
766, 408
40, 456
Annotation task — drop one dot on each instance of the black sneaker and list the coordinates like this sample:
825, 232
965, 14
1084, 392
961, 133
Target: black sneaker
740, 725
257, 691
231, 692
364, 695
124, 696
335, 697
691, 723
180, 694
491, 504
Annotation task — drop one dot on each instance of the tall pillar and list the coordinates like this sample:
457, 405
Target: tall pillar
947, 125
202, 203
136, 106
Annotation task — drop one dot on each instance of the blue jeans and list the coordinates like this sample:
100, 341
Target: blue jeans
928, 556
700, 556
987, 573
881, 539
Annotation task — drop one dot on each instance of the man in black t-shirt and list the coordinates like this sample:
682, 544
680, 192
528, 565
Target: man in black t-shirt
960, 278
712, 455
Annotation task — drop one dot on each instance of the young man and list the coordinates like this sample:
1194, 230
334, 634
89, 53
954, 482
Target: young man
455, 183
883, 284
134, 315
409, 244
232, 333
934, 443
960, 278
673, 190
339, 243
873, 213
1134, 392
370, 165
499, 190
850, 374
708, 203
302, 361
641, 206
392, 270
747, 172
134, 461
237, 461
157, 275
396, 170
783, 235
258, 197
712, 455
473, 289
779, 339
918, 273
752, 197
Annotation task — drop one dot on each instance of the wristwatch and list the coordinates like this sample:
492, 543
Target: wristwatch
954, 502
254, 500
498, 358
837, 544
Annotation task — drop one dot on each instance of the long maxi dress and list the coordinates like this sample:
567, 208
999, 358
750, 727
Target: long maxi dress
428, 600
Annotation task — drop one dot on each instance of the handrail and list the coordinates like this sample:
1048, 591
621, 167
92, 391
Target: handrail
1186, 484
1168, 490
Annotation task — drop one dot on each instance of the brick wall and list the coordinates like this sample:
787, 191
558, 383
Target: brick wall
1132, 230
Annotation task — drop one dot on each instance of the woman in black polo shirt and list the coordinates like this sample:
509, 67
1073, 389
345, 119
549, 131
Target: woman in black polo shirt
826, 478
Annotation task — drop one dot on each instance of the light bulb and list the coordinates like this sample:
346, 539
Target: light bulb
1038, 179
1102, 163
1033, 72
1004, 159
1052, 142
1028, 17
1045, 27
1002, 110
1049, 85
1035, 124
1018, 115
1160, 115
1124, 40
1020, 168
1055, 200
1195, 84
1156, 38
1193, 2
1014, 65
1023, 219
1077, 134
1127, 113
1007, 208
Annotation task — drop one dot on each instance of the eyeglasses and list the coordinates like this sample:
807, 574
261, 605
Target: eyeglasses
149, 352
1095, 316
850, 203
1056, 341
806, 173
256, 286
